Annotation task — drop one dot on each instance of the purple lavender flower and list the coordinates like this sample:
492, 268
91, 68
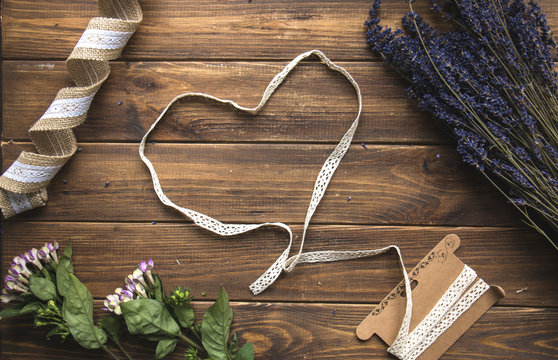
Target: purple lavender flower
112, 303
7, 297
19, 272
20, 260
131, 287
146, 268
52, 247
137, 275
44, 254
491, 85
140, 290
32, 256
12, 284
134, 285
16, 271
124, 295
20, 265
133, 290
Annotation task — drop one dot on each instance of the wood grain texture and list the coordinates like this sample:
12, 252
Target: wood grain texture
388, 184
313, 331
409, 187
213, 29
106, 252
314, 104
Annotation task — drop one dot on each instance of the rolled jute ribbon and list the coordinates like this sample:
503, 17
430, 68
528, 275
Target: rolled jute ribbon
23, 184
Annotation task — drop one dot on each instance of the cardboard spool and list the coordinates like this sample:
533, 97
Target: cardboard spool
429, 280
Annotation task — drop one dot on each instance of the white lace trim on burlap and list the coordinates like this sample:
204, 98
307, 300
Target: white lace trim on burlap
21, 172
19, 202
53, 134
103, 39
66, 108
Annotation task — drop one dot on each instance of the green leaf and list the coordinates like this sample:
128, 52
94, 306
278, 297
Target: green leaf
53, 332
30, 308
233, 347
42, 288
63, 271
216, 327
57, 331
158, 288
156, 338
148, 316
13, 310
185, 315
165, 347
78, 313
112, 326
46, 274
68, 250
246, 352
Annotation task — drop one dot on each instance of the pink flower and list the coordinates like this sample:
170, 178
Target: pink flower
6, 297
32, 256
146, 267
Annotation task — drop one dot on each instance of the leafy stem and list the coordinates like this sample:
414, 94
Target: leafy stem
112, 355
60, 300
190, 342
196, 333
123, 351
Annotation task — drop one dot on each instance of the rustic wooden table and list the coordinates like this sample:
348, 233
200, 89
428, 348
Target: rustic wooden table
406, 187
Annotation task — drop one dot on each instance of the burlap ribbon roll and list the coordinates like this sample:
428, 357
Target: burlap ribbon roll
23, 184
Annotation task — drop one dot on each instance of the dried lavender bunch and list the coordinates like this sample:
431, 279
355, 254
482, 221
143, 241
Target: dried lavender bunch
491, 83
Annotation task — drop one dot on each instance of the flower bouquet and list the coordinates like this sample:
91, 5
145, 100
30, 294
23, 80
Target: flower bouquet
490, 83
42, 284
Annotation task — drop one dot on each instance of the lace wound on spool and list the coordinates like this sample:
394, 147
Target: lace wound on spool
448, 294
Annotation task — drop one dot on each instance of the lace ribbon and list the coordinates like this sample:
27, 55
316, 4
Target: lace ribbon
23, 184
459, 297
324, 176
407, 345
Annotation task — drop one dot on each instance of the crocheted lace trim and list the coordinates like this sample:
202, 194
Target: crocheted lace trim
322, 181
66, 108
19, 202
30, 173
407, 346
456, 300
103, 39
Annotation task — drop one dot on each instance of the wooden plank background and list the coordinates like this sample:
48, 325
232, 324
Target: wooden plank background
407, 187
